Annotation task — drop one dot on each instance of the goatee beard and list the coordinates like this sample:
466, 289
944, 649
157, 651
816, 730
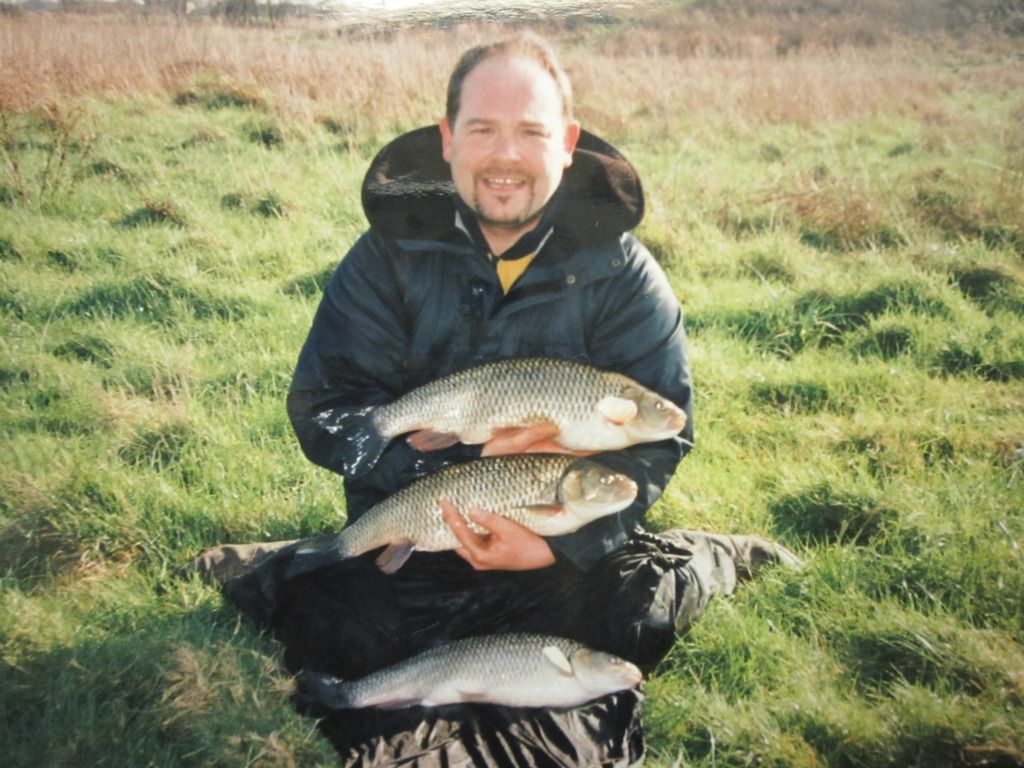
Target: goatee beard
515, 223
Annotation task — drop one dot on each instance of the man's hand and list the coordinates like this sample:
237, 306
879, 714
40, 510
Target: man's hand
506, 546
538, 438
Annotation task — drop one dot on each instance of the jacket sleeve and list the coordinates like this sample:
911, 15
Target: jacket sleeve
352, 357
355, 356
636, 329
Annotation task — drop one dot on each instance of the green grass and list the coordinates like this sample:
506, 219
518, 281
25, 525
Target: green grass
854, 292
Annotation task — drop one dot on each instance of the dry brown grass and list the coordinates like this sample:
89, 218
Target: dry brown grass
48, 57
746, 71
754, 89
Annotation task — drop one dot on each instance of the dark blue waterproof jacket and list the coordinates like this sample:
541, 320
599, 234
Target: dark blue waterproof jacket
416, 299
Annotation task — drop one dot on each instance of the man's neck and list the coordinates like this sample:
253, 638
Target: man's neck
500, 239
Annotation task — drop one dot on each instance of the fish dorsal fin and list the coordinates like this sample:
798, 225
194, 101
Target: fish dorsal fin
394, 556
618, 410
557, 656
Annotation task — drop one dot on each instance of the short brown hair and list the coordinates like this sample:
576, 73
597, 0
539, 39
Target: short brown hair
527, 45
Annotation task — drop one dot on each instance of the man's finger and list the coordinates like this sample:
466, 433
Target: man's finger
494, 524
467, 537
519, 441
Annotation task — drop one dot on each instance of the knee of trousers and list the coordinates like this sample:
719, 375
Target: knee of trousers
642, 597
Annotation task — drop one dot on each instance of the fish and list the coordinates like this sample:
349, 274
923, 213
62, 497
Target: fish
595, 410
551, 494
516, 670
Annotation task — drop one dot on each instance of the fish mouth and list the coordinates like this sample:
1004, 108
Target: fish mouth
618, 494
669, 425
626, 490
677, 421
631, 674
614, 494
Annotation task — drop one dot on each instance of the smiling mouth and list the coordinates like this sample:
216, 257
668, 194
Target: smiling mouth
503, 183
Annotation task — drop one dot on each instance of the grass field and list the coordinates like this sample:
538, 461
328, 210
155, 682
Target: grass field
838, 199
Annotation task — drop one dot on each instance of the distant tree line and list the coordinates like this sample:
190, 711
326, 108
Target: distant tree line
236, 11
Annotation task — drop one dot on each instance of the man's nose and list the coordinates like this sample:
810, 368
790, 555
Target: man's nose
506, 147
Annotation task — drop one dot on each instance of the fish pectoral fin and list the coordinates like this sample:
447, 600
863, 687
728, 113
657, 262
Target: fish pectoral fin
394, 556
618, 410
557, 656
546, 509
400, 703
474, 695
504, 431
429, 440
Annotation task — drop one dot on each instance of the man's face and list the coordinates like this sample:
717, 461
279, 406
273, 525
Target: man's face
509, 145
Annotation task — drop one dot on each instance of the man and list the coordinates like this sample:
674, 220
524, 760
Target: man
511, 265
502, 233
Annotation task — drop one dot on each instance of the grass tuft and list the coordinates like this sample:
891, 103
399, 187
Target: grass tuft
889, 340
8, 252
212, 92
987, 361
835, 218
798, 396
159, 448
265, 134
822, 513
108, 168
92, 349
232, 201
310, 285
818, 318
153, 212
10, 376
269, 206
157, 299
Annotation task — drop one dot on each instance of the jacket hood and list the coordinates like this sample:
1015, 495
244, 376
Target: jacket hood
408, 193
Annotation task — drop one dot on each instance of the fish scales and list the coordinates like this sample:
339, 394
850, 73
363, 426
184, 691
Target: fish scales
500, 661
593, 410
512, 392
550, 494
505, 485
510, 669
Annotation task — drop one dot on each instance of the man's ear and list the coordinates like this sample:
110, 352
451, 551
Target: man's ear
572, 136
446, 139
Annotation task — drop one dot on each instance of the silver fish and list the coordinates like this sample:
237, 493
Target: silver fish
594, 410
517, 670
551, 494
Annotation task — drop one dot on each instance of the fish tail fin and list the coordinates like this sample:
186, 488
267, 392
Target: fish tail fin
318, 553
325, 690
358, 443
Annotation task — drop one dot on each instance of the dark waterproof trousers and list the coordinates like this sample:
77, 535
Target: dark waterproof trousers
350, 619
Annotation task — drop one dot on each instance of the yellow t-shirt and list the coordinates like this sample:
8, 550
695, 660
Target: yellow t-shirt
509, 270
